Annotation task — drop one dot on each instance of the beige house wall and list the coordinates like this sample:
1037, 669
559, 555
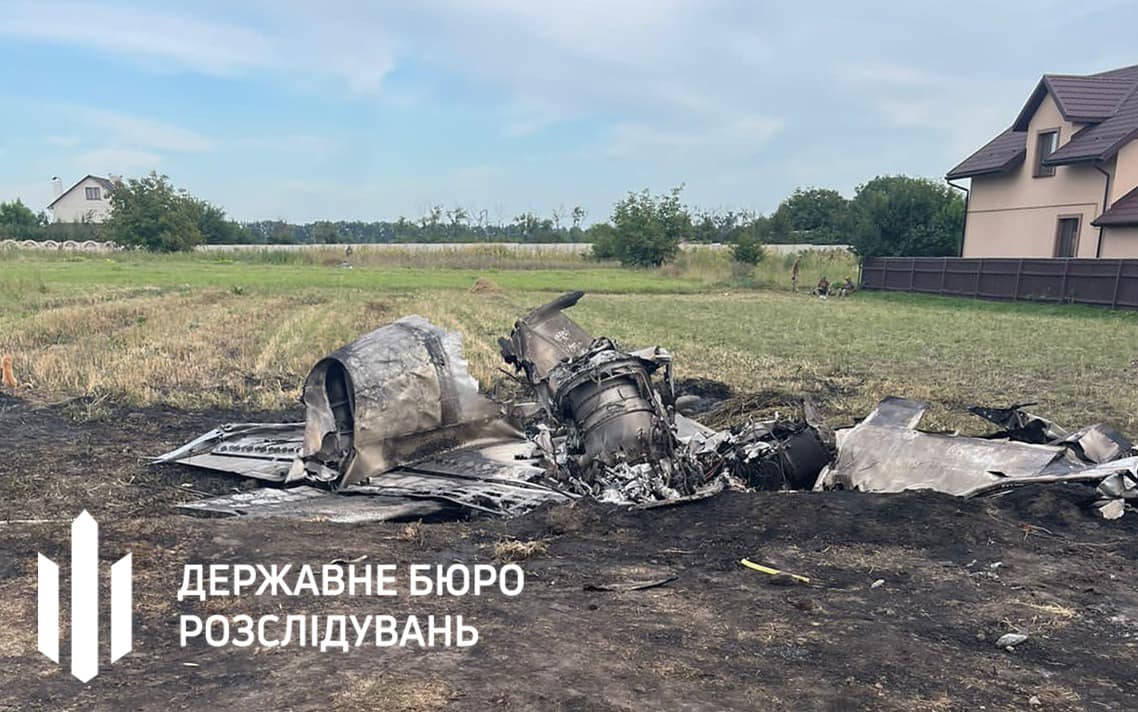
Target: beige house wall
1016, 215
74, 206
1120, 242
1126, 174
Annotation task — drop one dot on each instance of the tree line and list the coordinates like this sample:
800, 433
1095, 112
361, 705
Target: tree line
889, 215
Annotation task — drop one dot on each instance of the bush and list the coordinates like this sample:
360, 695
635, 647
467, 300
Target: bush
748, 249
603, 237
647, 230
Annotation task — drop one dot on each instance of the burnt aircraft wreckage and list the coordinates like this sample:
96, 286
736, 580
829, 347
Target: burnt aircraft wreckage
397, 429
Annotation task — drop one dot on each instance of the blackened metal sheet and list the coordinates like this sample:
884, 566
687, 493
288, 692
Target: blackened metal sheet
312, 503
264, 451
501, 497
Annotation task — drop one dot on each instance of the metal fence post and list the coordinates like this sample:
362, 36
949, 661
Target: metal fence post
1019, 279
943, 272
1117, 285
1063, 284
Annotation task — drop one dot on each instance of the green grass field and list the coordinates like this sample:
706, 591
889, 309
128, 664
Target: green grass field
198, 331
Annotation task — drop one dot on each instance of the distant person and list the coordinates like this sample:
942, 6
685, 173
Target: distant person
823, 288
348, 251
794, 273
847, 288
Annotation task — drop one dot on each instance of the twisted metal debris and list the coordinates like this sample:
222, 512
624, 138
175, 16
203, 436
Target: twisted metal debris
395, 422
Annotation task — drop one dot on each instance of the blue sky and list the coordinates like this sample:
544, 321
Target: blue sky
372, 110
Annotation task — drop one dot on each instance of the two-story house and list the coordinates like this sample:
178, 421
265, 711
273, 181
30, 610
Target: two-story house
89, 200
1063, 180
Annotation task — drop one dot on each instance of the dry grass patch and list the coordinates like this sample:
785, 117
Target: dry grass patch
177, 333
485, 286
412, 533
515, 550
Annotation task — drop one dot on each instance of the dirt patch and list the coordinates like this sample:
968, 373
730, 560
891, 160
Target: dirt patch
955, 575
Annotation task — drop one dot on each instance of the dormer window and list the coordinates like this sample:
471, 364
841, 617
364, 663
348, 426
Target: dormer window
1045, 144
93, 193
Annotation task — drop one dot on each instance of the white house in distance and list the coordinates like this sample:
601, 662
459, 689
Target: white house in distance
89, 200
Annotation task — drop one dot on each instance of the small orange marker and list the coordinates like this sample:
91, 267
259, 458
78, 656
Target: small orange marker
8, 377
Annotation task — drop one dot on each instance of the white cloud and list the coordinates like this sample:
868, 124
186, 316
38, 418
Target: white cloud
178, 41
62, 141
308, 46
310, 145
526, 116
740, 137
739, 99
141, 131
104, 161
966, 110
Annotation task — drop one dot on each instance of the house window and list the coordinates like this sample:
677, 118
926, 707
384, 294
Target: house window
93, 194
1067, 237
1045, 145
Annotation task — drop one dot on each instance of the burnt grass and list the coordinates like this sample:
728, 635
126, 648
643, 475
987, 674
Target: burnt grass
955, 575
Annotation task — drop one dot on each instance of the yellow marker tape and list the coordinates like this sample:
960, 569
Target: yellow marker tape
773, 572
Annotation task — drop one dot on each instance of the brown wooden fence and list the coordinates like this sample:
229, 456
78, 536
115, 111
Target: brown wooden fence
1108, 283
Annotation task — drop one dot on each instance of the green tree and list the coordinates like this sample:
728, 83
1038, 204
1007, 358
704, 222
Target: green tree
603, 237
904, 216
647, 229
149, 212
17, 214
811, 215
215, 227
325, 233
748, 248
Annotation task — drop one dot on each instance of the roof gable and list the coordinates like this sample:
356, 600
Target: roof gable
1079, 99
1106, 102
1101, 142
104, 182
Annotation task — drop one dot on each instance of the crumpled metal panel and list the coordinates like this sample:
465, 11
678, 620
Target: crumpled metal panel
545, 337
313, 503
1099, 443
265, 451
489, 495
1020, 425
1068, 472
884, 453
392, 396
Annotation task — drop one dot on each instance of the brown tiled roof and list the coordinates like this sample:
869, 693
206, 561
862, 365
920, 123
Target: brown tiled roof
1000, 154
1107, 101
1089, 98
1100, 142
1130, 72
1123, 213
